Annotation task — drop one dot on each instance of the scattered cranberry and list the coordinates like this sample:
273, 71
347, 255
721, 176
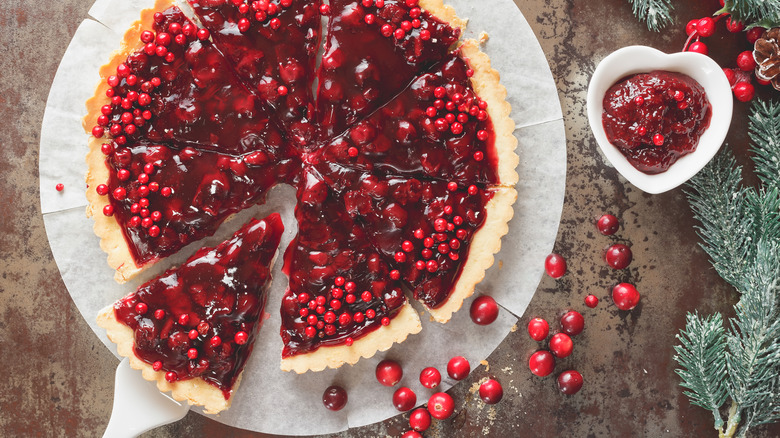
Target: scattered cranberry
555, 265
430, 377
538, 329
561, 345
754, 34
734, 26
626, 296
389, 372
744, 91
706, 27
618, 256
491, 392
458, 368
608, 225
60, 187
572, 323
542, 363
411, 434
730, 75
334, 398
699, 47
591, 301
404, 399
484, 310
745, 61
440, 406
420, 420
570, 382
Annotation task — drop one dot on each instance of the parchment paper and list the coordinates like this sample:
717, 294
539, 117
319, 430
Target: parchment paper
268, 397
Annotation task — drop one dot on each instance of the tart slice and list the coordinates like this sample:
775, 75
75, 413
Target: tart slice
272, 45
452, 123
192, 329
169, 83
150, 200
342, 302
438, 237
374, 49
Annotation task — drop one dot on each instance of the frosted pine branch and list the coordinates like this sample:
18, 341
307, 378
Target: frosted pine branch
657, 14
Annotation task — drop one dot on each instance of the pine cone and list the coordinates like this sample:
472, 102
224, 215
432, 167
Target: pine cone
767, 56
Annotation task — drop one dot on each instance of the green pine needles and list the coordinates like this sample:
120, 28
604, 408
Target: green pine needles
657, 14
740, 229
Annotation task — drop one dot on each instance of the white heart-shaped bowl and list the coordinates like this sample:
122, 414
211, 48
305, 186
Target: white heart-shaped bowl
641, 59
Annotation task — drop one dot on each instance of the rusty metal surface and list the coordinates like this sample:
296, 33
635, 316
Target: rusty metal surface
58, 377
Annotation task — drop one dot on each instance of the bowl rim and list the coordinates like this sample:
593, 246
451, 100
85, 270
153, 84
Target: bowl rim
642, 59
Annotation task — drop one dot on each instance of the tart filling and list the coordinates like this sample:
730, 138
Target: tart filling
193, 328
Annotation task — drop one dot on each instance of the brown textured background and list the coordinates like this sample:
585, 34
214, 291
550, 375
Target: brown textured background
58, 378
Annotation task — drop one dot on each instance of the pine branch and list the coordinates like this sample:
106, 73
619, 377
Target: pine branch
702, 358
764, 13
765, 135
657, 14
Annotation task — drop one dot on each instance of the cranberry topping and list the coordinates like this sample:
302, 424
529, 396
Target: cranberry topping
374, 49
655, 118
340, 288
436, 128
200, 319
272, 45
164, 199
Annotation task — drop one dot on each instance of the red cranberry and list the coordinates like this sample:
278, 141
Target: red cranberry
60, 187
745, 61
572, 323
420, 420
706, 27
734, 26
570, 382
699, 47
458, 368
491, 392
618, 256
730, 75
484, 310
555, 265
334, 398
608, 224
411, 434
538, 329
404, 399
591, 301
626, 296
430, 377
389, 372
441, 405
744, 91
561, 345
754, 34
542, 363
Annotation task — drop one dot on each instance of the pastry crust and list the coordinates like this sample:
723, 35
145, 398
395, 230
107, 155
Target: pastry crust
445, 13
405, 323
112, 239
195, 391
486, 83
486, 243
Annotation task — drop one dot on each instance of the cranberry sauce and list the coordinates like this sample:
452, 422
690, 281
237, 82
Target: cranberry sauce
200, 319
340, 288
164, 199
374, 49
179, 88
272, 45
436, 128
655, 118
422, 228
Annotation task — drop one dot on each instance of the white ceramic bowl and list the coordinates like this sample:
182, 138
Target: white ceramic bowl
641, 59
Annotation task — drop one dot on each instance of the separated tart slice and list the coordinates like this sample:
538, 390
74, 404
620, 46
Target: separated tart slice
343, 301
272, 45
374, 48
192, 329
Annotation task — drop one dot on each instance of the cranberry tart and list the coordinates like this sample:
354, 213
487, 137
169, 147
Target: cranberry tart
403, 158
192, 329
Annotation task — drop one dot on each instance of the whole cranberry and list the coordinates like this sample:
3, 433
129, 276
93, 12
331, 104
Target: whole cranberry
484, 310
570, 382
542, 363
420, 419
618, 256
440, 406
555, 265
491, 392
411, 434
591, 301
745, 61
626, 296
561, 345
608, 224
389, 372
404, 399
538, 329
458, 368
334, 398
572, 323
430, 377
